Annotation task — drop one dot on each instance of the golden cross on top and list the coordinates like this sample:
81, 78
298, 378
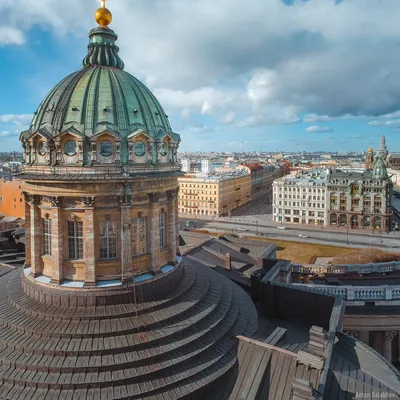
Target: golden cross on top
103, 3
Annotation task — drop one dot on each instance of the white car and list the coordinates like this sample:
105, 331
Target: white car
243, 229
281, 227
303, 236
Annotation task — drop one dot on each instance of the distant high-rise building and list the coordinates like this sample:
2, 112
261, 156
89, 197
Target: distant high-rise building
186, 165
205, 166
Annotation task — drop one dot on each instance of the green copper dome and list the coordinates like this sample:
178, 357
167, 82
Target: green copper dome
100, 103
101, 95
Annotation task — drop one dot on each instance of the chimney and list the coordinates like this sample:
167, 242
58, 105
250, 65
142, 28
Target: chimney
302, 389
228, 261
318, 341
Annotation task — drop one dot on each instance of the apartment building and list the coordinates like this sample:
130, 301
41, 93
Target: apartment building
301, 198
213, 195
355, 198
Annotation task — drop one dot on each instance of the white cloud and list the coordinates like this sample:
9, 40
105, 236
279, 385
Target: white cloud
5, 133
263, 60
17, 119
228, 118
382, 122
10, 35
318, 128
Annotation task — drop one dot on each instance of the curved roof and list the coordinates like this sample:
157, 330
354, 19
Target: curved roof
101, 96
170, 346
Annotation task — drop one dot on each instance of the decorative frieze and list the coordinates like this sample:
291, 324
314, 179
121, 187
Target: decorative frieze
88, 201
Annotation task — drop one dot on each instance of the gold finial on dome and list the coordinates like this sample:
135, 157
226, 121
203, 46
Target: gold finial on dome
103, 15
370, 150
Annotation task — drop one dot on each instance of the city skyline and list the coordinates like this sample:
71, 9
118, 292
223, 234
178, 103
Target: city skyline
277, 76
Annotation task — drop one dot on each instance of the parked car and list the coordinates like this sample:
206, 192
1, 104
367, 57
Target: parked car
303, 236
281, 227
243, 229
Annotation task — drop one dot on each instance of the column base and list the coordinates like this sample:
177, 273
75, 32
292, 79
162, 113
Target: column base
35, 275
56, 281
89, 284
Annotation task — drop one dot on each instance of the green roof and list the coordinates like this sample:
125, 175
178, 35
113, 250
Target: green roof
101, 96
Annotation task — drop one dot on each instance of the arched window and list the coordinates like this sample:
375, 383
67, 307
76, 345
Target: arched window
108, 240
163, 236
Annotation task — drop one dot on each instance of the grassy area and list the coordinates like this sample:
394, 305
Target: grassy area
304, 253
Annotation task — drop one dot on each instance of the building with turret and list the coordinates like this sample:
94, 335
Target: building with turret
106, 306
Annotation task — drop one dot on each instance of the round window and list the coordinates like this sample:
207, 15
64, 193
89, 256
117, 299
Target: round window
43, 148
163, 150
140, 148
106, 148
70, 148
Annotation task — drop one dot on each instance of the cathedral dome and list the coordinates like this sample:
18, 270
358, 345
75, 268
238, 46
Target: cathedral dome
98, 99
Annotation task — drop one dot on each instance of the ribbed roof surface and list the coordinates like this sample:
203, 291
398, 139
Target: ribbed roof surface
167, 348
101, 95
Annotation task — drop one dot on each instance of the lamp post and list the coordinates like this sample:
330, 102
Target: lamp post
347, 233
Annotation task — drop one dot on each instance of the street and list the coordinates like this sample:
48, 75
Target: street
255, 218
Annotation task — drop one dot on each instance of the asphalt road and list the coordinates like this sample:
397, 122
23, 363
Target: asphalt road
239, 226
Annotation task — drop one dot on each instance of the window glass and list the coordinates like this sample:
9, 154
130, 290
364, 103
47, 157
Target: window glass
47, 236
70, 148
106, 148
108, 240
140, 148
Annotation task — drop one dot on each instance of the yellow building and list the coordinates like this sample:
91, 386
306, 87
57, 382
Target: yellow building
213, 195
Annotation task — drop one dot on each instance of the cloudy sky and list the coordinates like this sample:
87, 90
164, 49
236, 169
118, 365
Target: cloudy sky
274, 74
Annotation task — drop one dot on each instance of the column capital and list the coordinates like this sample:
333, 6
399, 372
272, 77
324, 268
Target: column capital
154, 197
34, 200
172, 194
88, 201
391, 334
55, 201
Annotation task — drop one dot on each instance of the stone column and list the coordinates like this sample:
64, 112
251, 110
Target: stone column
387, 344
57, 242
172, 218
155, 233
398, 346
36, 237
177, 222
364, 337
89, 253
27, 230
376, 341
126, 235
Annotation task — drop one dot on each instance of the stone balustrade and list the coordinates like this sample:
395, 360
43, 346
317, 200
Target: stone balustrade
357, 292
346, 268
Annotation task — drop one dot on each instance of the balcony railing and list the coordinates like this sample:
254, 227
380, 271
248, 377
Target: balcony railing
357, 292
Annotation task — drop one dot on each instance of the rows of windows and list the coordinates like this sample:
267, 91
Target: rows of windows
108, 234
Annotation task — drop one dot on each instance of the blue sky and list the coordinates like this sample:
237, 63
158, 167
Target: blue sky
293, 75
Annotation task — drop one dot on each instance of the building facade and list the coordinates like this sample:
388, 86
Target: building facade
354, 198
301, 198
12, 202
213, 195
361, 199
